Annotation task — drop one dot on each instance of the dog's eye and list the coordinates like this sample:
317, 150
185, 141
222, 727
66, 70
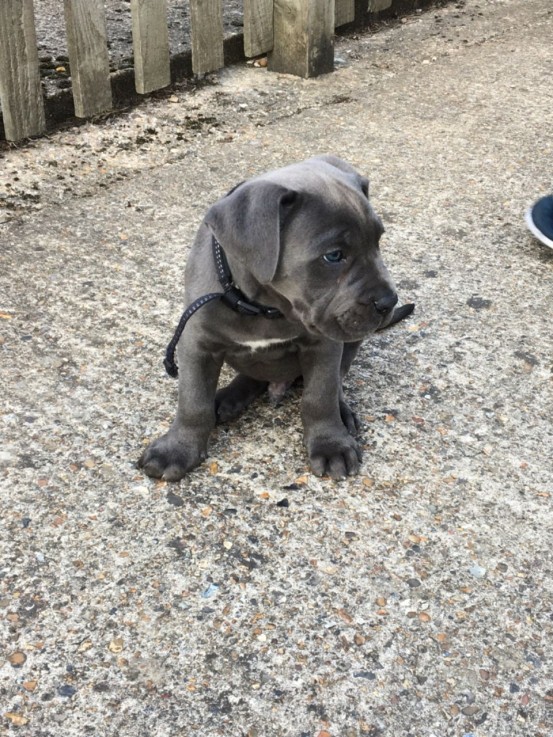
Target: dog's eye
334, 257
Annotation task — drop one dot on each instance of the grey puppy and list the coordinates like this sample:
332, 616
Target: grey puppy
304, 240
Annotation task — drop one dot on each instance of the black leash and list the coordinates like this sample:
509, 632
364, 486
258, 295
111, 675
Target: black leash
231, 295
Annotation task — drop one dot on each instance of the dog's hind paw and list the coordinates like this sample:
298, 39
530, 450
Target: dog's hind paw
169, 459
232, 400
349, 418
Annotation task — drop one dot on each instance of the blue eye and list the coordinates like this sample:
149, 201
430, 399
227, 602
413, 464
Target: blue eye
334, 257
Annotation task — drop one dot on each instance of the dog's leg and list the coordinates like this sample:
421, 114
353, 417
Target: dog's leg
233, 399
332, 450
349, 418
348, 354
184, 447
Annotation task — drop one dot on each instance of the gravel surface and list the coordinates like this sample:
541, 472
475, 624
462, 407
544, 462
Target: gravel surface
252, 598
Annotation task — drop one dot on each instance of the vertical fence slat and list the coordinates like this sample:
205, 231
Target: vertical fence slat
258, 26
303, 37
150, 45
88, 56
20, 90
206, 25
344, 12
376, 5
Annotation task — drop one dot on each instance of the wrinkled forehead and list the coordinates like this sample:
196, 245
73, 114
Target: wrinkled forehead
329, 198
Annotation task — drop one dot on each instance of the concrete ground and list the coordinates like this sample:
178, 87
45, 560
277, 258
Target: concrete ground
413, 600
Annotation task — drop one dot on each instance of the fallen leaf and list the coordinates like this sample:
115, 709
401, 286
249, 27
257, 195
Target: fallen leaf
30, 685
213, 468
5, 316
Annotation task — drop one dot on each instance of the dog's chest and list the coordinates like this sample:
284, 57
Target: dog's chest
262, 343
265, 359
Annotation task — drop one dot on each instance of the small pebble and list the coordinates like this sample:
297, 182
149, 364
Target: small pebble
210, 591
67, 691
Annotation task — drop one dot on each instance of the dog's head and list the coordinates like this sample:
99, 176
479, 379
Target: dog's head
308, 234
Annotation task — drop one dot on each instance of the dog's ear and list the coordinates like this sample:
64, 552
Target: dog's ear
248, 223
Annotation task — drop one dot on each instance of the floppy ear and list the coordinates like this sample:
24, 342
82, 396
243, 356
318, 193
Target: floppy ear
248, 222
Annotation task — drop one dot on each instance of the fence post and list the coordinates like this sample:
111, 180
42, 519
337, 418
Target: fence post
88, 56
344, 12
377, 5
303, 37
206, 25
258, 26
20, 90
150, 45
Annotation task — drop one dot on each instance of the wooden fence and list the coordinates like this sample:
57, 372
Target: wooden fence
298, 34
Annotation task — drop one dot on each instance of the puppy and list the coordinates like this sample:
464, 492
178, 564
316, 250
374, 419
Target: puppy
287, 279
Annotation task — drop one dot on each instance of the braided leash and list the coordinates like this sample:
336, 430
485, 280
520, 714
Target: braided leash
231, 295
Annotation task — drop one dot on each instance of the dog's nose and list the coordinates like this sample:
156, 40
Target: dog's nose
386, 302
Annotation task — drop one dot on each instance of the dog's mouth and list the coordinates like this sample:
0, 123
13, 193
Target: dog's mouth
348, 327
351, 324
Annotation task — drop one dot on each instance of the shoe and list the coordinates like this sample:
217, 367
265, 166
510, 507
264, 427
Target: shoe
539, 219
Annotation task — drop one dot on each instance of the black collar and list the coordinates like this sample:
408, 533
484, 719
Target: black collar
232, 296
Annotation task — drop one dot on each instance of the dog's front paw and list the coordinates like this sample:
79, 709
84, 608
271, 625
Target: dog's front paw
169, 458
337, 457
